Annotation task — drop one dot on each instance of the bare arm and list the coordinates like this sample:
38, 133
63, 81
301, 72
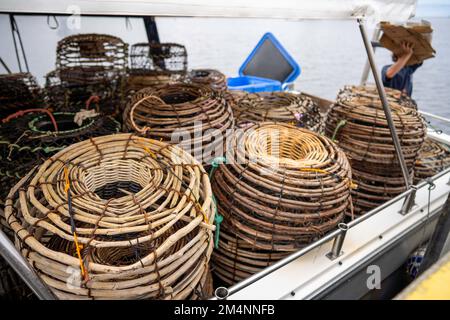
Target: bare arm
401, 61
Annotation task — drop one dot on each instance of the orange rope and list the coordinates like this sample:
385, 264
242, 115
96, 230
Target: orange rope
95, 99
75, 237
20, 113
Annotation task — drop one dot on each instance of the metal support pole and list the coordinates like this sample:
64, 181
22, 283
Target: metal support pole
336, 249
23, 269
409, 202
366, 70
151, 29
153, 37
384, 102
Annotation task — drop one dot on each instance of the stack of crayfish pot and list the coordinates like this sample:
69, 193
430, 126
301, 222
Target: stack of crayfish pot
210, 77
291, 108
18, 91
195, 117
155, 64
88, 65
433, 158
116, 217
30, 136
215, 79
281, 188
357, 121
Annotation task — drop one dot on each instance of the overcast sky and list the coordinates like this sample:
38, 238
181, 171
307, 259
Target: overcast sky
433, 8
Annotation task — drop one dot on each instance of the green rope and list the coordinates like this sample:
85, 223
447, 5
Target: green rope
338, 127
217, 220
217, 217
32, 123
215, 164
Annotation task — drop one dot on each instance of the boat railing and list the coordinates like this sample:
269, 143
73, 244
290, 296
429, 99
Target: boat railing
338, 236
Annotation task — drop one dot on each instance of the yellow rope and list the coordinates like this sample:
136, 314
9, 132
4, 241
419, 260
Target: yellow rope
350, 182
66, 178
75, 237
78, 248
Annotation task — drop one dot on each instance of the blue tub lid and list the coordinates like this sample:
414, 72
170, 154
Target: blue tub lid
270, 60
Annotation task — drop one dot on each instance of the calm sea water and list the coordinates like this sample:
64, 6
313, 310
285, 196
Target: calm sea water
331, 53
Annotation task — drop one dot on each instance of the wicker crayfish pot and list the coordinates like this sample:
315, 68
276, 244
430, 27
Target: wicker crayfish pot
18, 91
291, 108
194, 114
358, 123
371, 92
116, 217
88, 65
433, 158
210, 77
281, 188
154, 64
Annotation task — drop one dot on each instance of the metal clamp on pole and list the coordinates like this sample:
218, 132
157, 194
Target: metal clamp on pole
384, 102
336, 249
221, 293
409, 202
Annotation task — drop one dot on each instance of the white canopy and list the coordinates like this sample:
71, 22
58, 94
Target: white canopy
394, 10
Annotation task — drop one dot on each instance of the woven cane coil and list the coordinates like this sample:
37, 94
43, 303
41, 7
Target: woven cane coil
213, 78
139, 210
137, 81
236, 259
295, 109
358, 123
185, 109
371, 92
18, 91
284, 188
433, 158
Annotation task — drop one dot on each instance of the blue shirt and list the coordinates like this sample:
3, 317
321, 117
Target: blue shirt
402, 80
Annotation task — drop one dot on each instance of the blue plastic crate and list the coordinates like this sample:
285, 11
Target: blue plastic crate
253, 84
269, 67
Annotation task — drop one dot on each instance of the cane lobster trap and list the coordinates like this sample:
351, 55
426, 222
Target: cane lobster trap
358, 123
281, 188
123, 216
88, 65
195, 117
213, 78
155, 64
292, 108
433, 157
